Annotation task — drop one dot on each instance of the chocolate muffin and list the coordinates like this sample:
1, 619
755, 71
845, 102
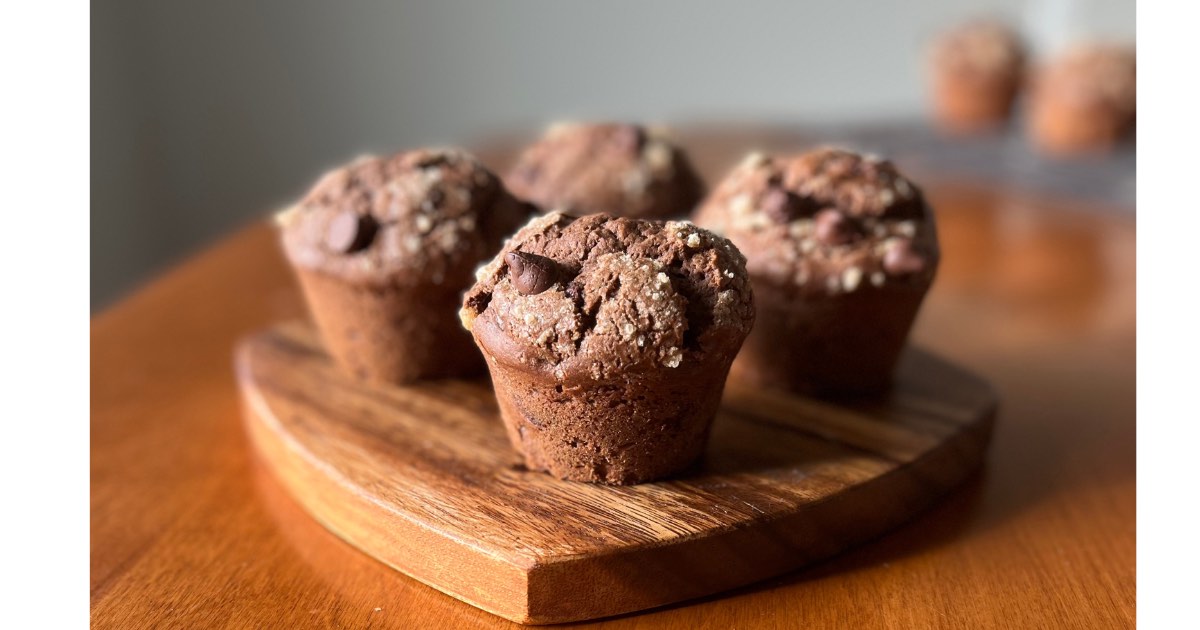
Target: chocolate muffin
623, 170
609, 340
841, 250
1086, 100
384, 248
976, 71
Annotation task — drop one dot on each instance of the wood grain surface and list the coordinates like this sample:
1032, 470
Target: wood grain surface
423, 478
1035, 295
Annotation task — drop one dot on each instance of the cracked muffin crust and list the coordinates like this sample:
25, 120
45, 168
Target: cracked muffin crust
383, 248
825, 222
842, 249
609, 340
627, 294
620, 169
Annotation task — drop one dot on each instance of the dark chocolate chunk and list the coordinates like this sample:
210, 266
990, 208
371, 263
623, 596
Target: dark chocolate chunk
834, 228
351, 232
902, 259
629, 138
785, 207
777, 203
531, 274
435, 159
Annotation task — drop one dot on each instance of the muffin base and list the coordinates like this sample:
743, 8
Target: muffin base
627, 430
962, 106
390, 335
1062, 130
841, 345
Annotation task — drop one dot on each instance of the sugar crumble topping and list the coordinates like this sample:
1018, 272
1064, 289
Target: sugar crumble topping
986, 48
829, 216
622, 169
629, 293
1093, 73
424, 210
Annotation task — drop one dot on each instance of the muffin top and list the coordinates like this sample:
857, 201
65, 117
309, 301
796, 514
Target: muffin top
600, 295
623, 170
421, 217
983, 50
1093, 75
826, 222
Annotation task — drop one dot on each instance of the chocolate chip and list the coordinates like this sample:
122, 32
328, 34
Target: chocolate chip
431, 160
784, 207
902, 259
902, 208
351, 232
629, 138
777, 204
531, 274
834, 228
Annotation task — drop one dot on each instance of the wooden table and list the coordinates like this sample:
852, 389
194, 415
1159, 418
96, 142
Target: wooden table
1034, 294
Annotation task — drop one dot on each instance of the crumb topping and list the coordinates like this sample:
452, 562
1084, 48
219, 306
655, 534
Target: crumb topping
984, 49
625, 170
825, 222
627, 294
426, 216
1094, 74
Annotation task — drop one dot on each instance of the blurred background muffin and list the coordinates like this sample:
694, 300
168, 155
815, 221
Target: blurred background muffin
1085, 100
976, 71
620, 169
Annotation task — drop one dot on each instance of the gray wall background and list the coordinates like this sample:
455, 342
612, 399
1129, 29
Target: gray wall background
206, 114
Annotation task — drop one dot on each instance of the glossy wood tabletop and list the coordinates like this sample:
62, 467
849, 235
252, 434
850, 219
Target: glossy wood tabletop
1036, 295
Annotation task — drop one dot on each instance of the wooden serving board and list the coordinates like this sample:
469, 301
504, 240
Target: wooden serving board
423, 479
